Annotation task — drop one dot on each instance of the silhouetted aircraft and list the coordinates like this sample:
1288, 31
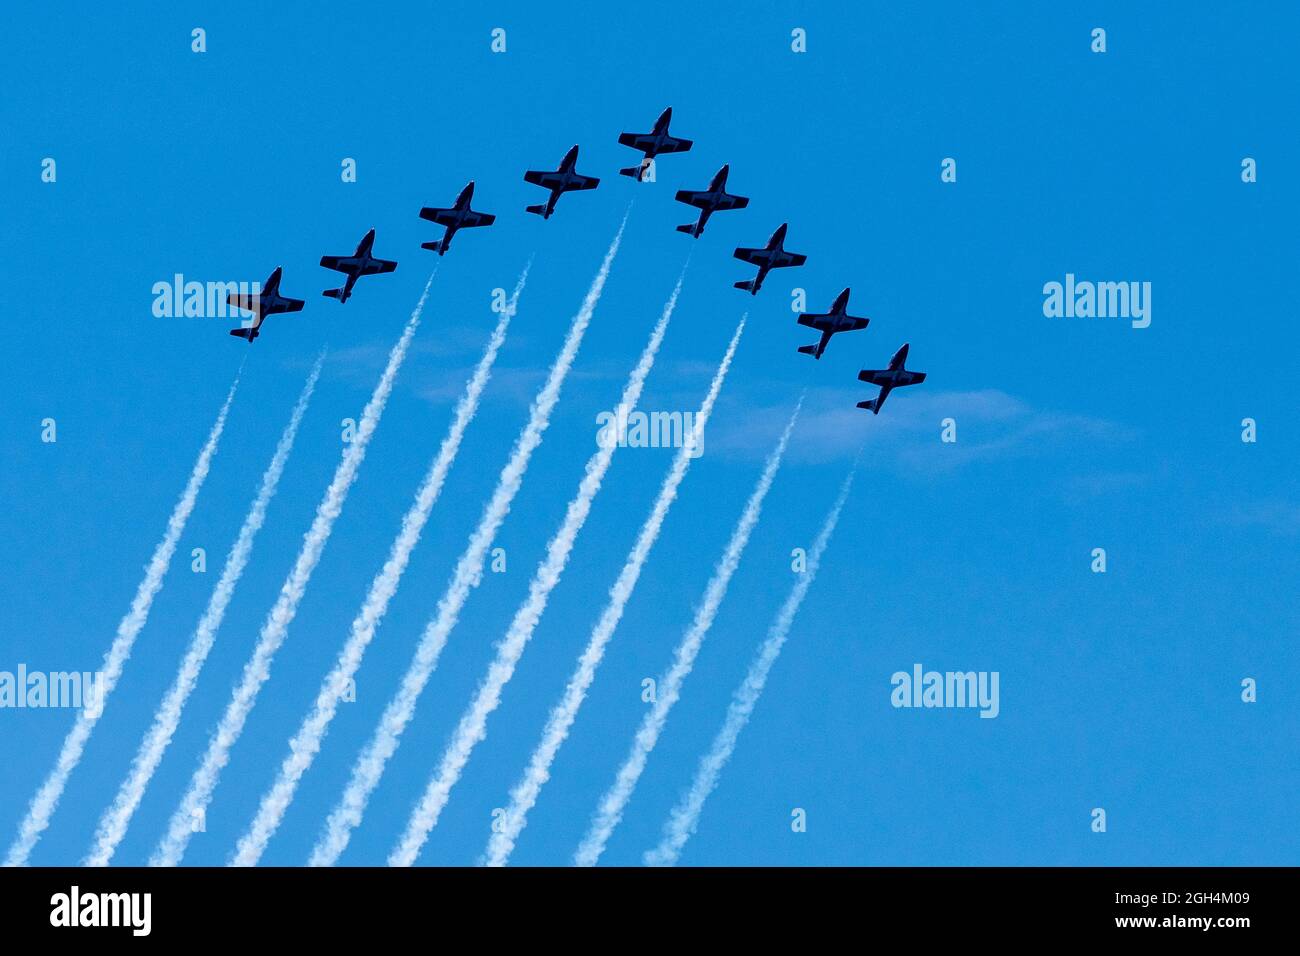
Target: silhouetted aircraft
653, 143
829, 323
771, 256
563, 180
459, 216
888, 379
711, 200
360, 263
267, 302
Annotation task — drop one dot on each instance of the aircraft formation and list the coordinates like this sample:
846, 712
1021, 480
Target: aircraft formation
566, 178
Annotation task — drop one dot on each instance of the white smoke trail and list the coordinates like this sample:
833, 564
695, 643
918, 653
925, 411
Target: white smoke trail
306, 743
562, 716
609, 812
276, 627
116, 819
685, 817
473, 723
74, 745
370, 764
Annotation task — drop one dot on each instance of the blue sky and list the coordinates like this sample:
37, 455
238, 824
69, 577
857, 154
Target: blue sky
1119, 690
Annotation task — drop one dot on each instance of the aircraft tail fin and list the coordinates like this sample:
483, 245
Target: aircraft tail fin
435, 246
635, 172
245, 333
335, 294
691, 229
749, 285
540, 209
871, 404
810, 350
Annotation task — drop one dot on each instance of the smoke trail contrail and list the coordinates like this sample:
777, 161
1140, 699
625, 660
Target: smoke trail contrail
609, 812
685, 817
74, 745
276, 627
562, 716
370, 764
473, 723
116, 819
306, 743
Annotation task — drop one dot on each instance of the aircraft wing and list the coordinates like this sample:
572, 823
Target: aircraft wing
249, 303
379, 266
443, 217
585, 182
819, 321
697, 199
346, 264
853, 324
540, 177
641, 141
873, 376
728, 201
290, 305
755, 257
790, 259
478, 219
674, 145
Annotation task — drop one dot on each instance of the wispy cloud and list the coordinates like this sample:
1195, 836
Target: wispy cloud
991, 424
1080, 489
1273, 514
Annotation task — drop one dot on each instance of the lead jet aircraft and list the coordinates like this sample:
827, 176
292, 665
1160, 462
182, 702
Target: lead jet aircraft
829, 323
708, 201
360, 263
267, 302
888, 379
563, 180
459, 216
653, 143
771, 256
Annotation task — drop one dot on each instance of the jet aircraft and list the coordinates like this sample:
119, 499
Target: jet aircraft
267, 302
708, 201
896, 376
360, 263
459, 216
830, 323
771, 256
653, 143
560, 181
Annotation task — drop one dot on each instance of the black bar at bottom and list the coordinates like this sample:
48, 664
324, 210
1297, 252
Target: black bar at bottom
367, 905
